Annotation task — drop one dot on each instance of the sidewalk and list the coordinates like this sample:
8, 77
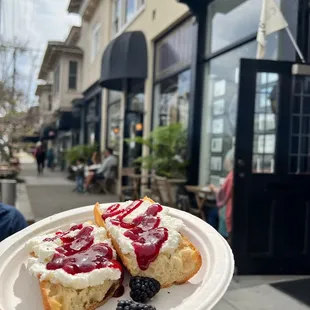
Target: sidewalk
50, 193
255, 293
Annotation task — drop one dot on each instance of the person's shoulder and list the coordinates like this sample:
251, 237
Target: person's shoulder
5, 209
8, 210
11, 213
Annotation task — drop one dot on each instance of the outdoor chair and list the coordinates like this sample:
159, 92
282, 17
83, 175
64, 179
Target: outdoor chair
104, 185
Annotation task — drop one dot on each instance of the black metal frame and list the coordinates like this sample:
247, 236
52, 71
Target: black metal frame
157, 81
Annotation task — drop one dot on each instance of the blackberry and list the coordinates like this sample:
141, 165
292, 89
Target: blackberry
131, 305
143, 288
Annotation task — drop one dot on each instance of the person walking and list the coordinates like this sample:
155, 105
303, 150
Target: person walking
50, 159
40, 157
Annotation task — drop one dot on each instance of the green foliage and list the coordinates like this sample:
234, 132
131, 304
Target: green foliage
167, 145
80, 151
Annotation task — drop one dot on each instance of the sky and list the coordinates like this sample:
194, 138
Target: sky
33, 23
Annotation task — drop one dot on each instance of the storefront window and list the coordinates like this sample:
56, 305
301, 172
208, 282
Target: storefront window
174, 52
172, 100
220, 108
227, 20
114, 120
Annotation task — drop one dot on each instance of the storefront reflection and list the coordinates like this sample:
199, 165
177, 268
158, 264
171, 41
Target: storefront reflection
172, 100
220, 110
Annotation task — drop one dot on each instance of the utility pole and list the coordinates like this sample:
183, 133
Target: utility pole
14, 75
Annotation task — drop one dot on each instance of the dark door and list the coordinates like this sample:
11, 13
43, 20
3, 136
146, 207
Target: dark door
271, 208
132, 129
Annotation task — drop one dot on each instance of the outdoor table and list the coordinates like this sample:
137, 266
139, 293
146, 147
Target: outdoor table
202, 195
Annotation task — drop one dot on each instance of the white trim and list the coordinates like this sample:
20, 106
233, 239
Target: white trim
94, 51
134, 17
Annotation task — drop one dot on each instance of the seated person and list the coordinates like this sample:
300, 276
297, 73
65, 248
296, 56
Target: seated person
11, 221
79, 174
104, 171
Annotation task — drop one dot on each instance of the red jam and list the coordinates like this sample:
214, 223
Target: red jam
144, 231
60, 234
79, 254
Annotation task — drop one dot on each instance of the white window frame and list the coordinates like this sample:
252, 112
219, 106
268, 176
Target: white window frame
95, 45
121, 19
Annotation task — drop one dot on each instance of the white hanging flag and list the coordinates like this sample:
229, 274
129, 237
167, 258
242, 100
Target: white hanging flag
271, 20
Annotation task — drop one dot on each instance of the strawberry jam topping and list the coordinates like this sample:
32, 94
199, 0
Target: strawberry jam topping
144, 231
60, 234
79, 254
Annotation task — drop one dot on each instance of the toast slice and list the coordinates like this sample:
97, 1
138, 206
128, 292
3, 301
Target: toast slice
58, 297
174, 265
88, 274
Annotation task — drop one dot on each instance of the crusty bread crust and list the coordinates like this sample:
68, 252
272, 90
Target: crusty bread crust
168, 269
51, 303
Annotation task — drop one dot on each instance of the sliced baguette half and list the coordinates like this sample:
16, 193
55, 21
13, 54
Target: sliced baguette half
168, 269
58, 297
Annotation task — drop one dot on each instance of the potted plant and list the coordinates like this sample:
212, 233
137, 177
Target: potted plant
167, 152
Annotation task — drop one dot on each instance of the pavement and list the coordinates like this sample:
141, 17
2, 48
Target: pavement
50, 193
42, 196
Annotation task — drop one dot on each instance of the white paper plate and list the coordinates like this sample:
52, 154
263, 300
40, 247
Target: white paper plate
19, 290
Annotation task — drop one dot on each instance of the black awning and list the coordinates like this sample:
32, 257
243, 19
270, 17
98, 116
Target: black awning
48, 132
125, 58
64, 121
30, 139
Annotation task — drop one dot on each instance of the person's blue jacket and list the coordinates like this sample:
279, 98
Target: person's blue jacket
11, 221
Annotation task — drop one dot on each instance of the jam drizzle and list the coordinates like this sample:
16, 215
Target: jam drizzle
144, 231
79, 254
60, 234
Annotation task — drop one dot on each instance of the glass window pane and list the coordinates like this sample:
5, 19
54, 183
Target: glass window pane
220, 106
171, 100
226, 20
299, 161
113, 128
130, 10
174, 52
264, 139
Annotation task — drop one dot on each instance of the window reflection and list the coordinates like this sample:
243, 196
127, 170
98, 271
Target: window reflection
114, 121
226, 20
220, 109
172, 100
130, 9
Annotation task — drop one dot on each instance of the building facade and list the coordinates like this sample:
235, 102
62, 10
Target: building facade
144, 64
192, 70
61, 69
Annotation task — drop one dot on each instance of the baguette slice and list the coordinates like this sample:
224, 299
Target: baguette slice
56, 296
168, 268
